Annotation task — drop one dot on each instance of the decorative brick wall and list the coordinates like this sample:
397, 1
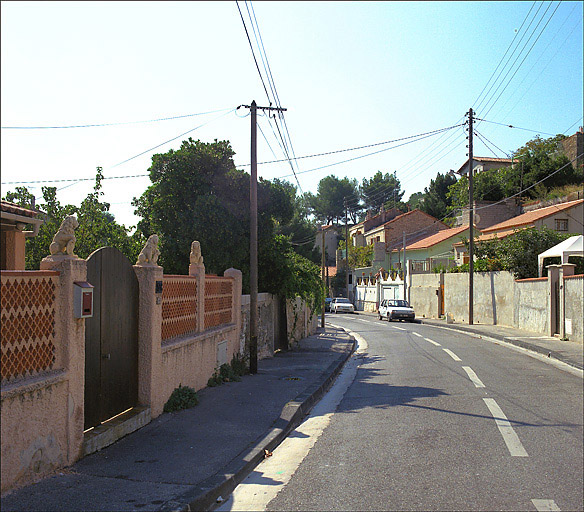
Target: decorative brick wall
179, 306
28, 323
218, 301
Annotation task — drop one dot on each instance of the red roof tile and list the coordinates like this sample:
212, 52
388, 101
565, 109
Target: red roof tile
17, 210
529, 218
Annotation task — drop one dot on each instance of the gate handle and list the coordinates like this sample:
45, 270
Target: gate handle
106, 356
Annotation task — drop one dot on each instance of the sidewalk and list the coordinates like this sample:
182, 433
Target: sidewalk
185, 460
568, 352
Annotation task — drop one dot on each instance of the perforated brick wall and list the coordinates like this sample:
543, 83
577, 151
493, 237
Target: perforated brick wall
218, 301
179, 306
27, 324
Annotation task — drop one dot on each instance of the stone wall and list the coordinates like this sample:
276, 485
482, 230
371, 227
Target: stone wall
423, 294
531, 305
267, 325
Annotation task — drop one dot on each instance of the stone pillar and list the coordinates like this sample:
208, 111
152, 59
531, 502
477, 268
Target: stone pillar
566, 269
71, 344
236, 300
198, 271
150, 339
553, 280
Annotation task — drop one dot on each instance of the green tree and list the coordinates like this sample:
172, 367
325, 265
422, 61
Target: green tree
97, 227
436, 200
358, 256
328, 205
381, 189
416, 200
198, 194
518, 253
487, 186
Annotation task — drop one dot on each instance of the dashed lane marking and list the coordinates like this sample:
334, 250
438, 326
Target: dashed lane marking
433, 342
545, 505
417, 334
473, 377
509, 436
452, 354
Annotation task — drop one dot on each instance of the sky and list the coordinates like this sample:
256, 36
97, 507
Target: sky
350, 74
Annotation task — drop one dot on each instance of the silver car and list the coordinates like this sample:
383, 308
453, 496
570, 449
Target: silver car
396, 309
342, 305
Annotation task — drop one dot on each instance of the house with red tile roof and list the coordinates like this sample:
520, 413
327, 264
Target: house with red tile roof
565, 217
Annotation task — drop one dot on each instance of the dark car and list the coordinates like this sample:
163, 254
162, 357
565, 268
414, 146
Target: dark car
327, 304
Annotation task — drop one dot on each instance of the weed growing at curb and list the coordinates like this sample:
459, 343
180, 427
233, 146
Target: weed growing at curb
182, 397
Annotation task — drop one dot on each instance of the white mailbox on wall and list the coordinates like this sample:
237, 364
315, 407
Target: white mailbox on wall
82, 299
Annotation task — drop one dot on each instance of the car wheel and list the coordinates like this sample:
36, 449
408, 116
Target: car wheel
389, 318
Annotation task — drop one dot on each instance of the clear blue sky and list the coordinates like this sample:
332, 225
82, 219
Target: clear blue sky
349, 73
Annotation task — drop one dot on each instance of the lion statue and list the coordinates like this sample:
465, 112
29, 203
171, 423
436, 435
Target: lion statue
196, 258
149, 254
64, 239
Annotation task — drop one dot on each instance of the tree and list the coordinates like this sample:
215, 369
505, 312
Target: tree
436, 200
358, 256
381, 189
416, 200
97, 227
198, 194
518, 253
487, 186
328, 205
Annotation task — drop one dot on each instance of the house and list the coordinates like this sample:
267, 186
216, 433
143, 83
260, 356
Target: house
13, 236
357, 231
485, 163
434, 250
331, 241
563, 217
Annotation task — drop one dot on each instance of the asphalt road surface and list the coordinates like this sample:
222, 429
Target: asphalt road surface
424, 418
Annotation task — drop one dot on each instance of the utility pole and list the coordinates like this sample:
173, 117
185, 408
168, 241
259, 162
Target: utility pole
470, 221
323, 281
347, 247
253, 240
404, 269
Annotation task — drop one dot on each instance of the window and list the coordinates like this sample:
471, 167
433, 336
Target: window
378, 238
561, 224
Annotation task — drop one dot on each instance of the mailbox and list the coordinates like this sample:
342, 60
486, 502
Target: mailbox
82, 299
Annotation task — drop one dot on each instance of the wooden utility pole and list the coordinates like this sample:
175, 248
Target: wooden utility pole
253, 240
323, 281
404, 266
347, 248
470, 221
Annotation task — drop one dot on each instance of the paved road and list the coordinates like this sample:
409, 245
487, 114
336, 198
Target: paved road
424, 418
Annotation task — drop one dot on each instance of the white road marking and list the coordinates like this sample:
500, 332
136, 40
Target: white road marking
400, 328
272, 474
433, 342
366, 321
417, 334
452, 354
545, 505
473, 376
509, 436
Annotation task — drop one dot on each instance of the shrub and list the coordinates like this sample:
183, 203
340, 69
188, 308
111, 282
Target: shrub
229, 372
182, 397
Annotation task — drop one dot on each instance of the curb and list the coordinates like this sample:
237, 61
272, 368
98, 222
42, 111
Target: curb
552, 354
204, 495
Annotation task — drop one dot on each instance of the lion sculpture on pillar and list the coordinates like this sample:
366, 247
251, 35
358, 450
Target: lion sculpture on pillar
64, 239
149, 254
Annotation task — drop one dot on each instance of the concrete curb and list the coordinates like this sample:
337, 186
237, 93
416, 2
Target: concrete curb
552, 354
204, 496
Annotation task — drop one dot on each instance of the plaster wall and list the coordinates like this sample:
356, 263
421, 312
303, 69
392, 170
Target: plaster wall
267, 324
531, 305
423, 297
42, 416
191, 360
493, 297
574, 304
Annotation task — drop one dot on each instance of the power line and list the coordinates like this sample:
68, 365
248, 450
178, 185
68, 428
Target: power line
485, 141
111, 124
251, 47
516, 127
526, 55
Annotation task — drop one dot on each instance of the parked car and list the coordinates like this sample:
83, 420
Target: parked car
327, 304
396, 309
342, 305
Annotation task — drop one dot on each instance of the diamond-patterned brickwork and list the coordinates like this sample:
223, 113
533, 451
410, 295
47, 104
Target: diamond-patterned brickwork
218, 301
179, 306
27, 306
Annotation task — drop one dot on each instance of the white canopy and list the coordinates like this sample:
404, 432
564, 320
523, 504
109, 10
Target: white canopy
573, 246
